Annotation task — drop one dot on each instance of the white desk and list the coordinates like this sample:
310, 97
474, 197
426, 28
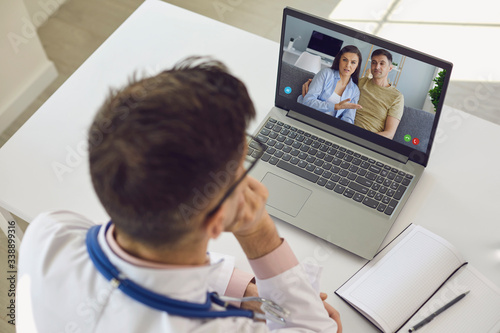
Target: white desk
155, 37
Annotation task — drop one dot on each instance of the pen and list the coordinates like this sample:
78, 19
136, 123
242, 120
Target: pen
438, 311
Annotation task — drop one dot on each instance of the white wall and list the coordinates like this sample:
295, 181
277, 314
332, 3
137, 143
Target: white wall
40, 10
25, 70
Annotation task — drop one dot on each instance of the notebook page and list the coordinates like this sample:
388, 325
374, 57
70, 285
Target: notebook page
396, 285
479, 311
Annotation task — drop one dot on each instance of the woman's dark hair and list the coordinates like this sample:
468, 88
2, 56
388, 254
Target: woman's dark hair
349, 49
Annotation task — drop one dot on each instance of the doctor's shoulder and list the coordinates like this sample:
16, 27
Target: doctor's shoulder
53, 229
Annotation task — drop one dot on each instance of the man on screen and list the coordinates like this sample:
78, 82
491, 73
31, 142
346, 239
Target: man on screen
382, 103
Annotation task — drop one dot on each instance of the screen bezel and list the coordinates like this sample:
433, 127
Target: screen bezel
364, 136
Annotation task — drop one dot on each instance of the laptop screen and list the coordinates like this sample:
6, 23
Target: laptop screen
374, 92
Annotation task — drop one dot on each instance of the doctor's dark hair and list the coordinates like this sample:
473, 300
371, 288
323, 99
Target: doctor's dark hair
349, 49
164, 147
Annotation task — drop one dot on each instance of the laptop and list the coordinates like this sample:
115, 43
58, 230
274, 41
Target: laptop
327, 176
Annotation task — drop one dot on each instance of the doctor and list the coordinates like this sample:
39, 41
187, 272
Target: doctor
166, 158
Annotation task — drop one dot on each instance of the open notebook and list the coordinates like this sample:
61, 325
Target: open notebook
416, 274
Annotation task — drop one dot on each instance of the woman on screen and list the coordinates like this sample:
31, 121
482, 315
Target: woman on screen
334, 90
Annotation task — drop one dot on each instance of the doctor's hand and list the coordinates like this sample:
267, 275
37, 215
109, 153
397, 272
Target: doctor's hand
251, 291
253, 228
334, 314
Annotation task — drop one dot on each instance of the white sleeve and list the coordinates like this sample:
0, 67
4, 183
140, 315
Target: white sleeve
224, 273
293, 290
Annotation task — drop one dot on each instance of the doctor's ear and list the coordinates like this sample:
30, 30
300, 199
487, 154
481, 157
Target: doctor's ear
214, 224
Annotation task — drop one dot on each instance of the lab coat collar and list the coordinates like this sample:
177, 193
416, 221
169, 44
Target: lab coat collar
189, 284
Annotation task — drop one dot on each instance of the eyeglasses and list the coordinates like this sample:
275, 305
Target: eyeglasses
255, 151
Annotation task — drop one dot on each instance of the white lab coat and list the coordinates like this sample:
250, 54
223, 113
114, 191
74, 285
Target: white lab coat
60, 290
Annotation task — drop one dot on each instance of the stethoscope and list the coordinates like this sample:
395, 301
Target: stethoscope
272, 311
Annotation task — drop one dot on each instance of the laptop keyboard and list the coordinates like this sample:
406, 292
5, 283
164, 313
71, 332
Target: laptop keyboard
343, 171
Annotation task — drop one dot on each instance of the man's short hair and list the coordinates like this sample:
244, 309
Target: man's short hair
163, 147
383, 52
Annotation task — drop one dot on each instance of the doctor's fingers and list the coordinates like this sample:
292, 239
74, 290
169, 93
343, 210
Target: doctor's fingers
254, 203
255, 196
334, 314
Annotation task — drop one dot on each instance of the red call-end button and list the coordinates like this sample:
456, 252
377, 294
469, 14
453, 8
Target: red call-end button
415, 141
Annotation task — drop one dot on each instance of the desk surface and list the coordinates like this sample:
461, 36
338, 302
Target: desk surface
44, 166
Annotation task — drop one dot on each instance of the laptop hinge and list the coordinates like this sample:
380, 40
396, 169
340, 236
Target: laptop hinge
348, 136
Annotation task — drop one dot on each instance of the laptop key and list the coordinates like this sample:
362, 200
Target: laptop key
374, 169
358, 187
265, 131
336, 161
399, 192
318, 171
265, 157
390, 207
364, 181
339, 189
381, 207
310, 159
361, 172
302, 164
370, 202
322, 181
349, 193
330, 185
335, 178
297, 171
273, 160
358, 197
344, 181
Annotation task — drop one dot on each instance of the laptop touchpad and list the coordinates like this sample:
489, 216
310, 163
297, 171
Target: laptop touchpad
284, 195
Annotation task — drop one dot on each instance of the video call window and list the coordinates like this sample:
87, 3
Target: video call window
307, 53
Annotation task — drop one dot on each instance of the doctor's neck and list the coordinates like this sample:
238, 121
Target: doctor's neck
189, 252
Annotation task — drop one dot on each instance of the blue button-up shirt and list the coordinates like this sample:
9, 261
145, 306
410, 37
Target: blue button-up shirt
322, 87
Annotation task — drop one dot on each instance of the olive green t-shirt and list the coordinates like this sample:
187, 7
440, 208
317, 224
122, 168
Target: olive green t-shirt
378, 103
